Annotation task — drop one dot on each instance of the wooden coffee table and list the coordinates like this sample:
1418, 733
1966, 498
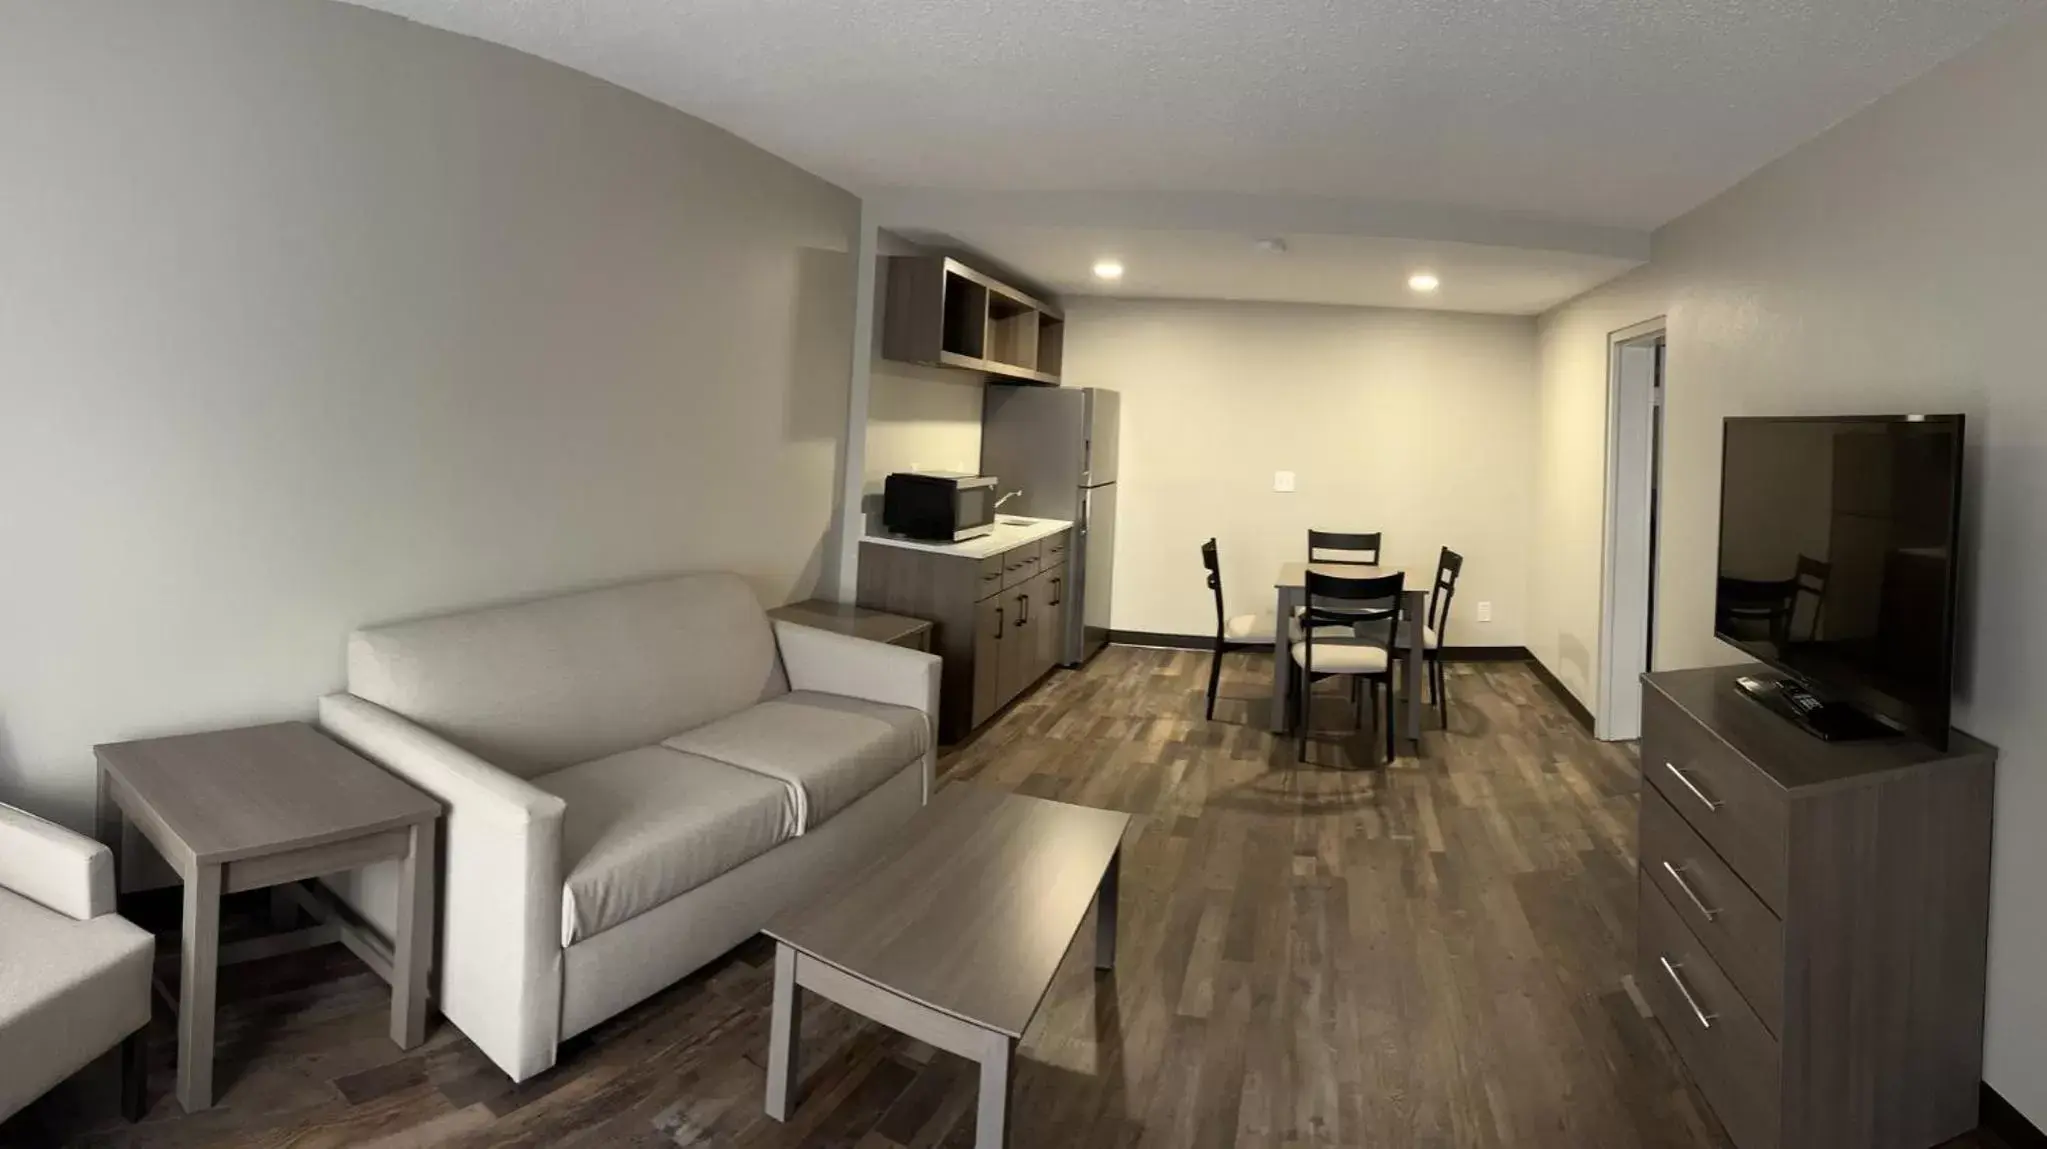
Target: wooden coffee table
953, 936
266, 806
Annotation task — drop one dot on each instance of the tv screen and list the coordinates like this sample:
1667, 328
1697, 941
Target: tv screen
1837, 557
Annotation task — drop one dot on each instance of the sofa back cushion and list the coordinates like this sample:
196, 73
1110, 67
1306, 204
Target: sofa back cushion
536, 686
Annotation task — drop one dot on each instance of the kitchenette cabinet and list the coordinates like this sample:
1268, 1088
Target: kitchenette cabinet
996, 605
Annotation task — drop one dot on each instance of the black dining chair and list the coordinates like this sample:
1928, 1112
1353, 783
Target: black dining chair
1811, 577
1344, 547
1434, 625
1359, 607
1232, 632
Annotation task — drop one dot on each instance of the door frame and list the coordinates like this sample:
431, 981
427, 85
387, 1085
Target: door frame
1626, 580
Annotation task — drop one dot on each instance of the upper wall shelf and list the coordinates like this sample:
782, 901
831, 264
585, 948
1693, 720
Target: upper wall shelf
943, 313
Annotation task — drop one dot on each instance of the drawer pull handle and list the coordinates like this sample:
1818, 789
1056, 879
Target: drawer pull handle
1677, 874
1706, 1020
1711, 802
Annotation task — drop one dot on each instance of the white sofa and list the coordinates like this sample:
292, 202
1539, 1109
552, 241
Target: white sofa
636, 778
74, 975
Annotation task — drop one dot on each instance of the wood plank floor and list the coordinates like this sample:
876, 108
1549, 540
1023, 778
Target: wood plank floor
1427, 954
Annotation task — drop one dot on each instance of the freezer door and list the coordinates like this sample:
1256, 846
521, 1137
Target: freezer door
1092, 566
1034, 439
1104, 429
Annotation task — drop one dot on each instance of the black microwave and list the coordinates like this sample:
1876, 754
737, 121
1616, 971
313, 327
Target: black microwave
938, 506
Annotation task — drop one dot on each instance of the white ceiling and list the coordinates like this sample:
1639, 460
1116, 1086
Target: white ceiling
1618, 114
1362, 271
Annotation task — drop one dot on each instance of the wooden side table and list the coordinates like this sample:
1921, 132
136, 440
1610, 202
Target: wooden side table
264, 806
858, 622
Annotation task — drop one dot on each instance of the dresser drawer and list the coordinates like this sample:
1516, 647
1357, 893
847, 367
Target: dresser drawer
1725, 1047
989, 579
1741, 933
1736, 808
1019, 564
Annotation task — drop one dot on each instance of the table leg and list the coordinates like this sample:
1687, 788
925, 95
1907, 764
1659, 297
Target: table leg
783, 1029
412, 956
991, 1114
1105, 912
197, 970
1417, 670
107, 827
1282, 658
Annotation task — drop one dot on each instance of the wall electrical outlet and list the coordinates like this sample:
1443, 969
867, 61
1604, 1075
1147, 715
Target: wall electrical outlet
1485, 612
1283, 481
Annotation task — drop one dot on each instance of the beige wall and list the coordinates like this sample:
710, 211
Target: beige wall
1417, 424
1894, 264
312, 316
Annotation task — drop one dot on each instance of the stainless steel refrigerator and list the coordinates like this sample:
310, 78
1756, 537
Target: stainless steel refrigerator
1058, 446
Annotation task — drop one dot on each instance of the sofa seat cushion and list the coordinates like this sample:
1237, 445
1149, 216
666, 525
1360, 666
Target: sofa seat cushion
828, 749
69, 991
652, 824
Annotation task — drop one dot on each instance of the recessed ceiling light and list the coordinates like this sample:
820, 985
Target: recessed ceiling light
1108, 269
1423, 281
1274, 246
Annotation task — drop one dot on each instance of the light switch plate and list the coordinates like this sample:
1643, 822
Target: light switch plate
1283, 481
1485, 612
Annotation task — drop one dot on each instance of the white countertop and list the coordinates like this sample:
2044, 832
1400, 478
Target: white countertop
1010, 531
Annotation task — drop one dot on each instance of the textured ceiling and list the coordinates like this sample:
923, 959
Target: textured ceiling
1622, 113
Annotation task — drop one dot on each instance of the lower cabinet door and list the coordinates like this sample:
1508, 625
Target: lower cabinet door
1019, 644
991, 631
1049, 625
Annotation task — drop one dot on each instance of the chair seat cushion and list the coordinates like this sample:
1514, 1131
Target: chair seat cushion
1406, 635
1339, 657
651, 824
69, 991
1248, 628
827, 749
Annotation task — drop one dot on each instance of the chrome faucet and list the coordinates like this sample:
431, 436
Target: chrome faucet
1007, 497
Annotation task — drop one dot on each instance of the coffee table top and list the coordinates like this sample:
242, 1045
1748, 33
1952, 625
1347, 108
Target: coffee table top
971, 910
233, 794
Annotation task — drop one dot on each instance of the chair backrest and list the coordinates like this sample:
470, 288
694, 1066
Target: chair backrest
1341, 600
1768, 602
1811, 578
1449, 565
1215, 582
1353, 549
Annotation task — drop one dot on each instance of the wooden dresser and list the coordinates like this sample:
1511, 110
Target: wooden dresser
1814, 919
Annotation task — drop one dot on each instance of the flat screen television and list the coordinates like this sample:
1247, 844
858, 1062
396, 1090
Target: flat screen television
1838, 539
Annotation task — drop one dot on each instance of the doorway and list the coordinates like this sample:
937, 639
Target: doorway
1634, 470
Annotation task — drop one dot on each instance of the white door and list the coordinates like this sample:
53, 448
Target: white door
1630, 543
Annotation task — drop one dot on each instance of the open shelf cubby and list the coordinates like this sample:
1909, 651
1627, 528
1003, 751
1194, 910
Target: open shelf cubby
941, 312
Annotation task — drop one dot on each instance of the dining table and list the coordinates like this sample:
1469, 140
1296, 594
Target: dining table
1292, 594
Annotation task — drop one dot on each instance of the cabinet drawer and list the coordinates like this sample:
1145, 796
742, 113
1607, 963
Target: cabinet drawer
1053, 550
1724, 1045
1019, 565
989, 578
1721, 911
1736, 808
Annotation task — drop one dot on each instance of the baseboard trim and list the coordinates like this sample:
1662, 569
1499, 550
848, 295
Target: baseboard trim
1207, 642
2012, 1127
1161, 641
1563, 694
1487, 654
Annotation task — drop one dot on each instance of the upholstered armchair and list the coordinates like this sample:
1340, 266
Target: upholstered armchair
74, 975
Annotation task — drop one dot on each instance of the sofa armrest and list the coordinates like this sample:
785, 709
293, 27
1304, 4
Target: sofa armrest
832, 663
55, 867
499, 975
